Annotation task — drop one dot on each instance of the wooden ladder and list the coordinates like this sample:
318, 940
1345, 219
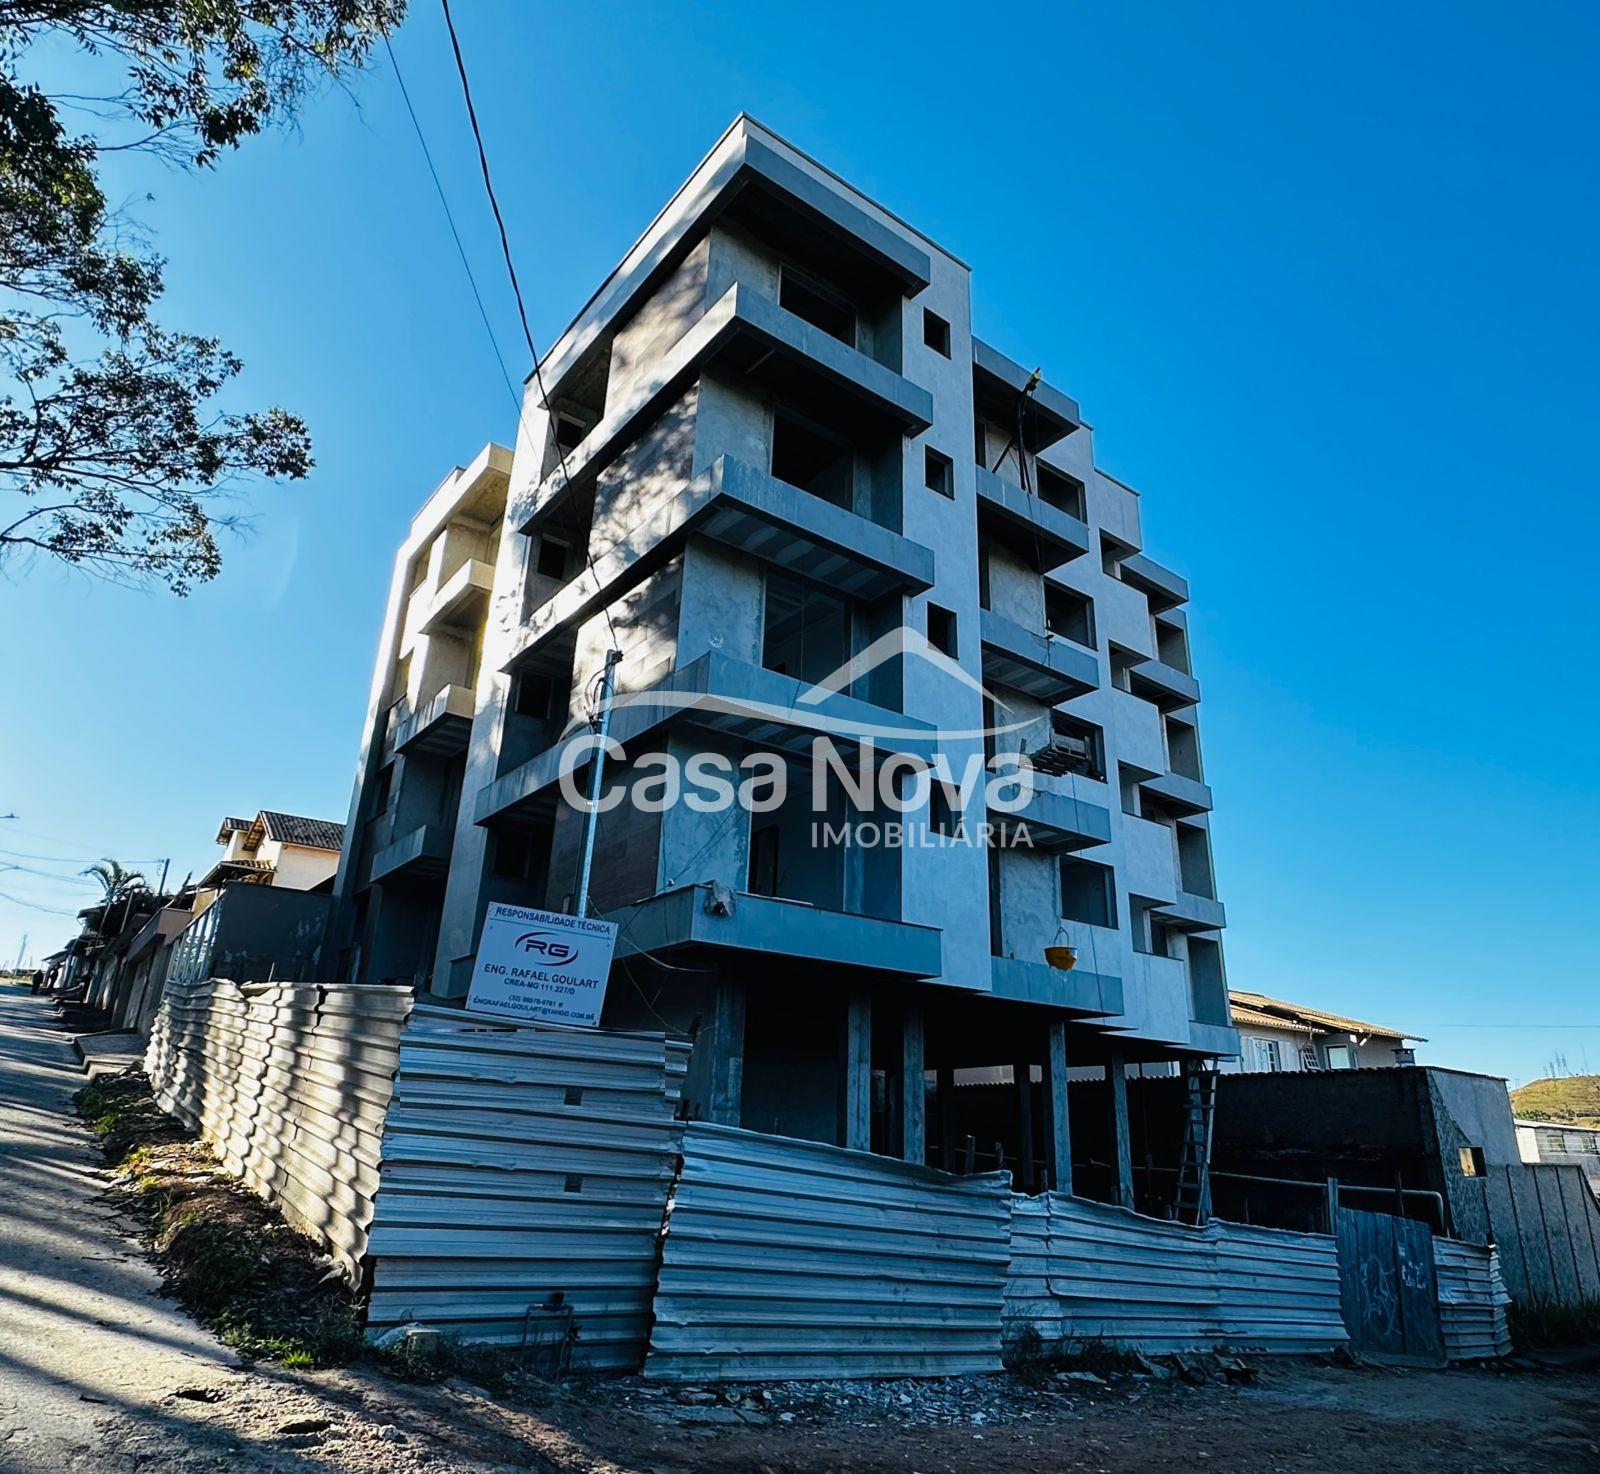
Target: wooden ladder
1194, 1170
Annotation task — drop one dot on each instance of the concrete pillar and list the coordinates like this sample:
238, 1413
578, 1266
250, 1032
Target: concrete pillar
1121, 1142
913, 1091
725, 1083
1022, 1077
857, 1051
1058, 1148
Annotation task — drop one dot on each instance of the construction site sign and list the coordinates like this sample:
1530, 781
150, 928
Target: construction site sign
544, 966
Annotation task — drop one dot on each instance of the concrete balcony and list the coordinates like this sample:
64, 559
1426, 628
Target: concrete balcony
1049, 669
744, 508
460, 602
440, 727
1181, 795
1092, 994
1164, 588
773, 927
766, 709
1164, 685
1041, 535
998, 383
1055, 822
769, 348
1189, 912
423, 854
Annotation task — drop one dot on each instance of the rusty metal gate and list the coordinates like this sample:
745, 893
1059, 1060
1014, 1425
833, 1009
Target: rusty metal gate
1388, 1287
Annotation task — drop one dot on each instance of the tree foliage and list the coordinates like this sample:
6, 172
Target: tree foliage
115, 454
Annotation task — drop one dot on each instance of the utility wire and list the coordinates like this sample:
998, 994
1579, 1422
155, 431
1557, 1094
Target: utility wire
516, 287
461, 250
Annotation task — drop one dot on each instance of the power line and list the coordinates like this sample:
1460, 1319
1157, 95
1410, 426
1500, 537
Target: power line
516, 286
461, 250
34, 905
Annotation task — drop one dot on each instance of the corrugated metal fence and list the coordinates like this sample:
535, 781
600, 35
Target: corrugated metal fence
787, 1258
1084, 1271
524, 1181
1472, 1301
289, 1083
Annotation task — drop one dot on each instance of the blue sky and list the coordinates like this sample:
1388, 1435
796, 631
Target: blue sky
1322, 279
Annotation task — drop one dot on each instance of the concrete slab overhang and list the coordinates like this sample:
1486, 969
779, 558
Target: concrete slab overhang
772, 926
1179, 794
1164, 685
1043, 666
440, 727
1091, 994
1189, 912
1164, 588
461, 599
747, 176
423, 854
998, 384
1044, 537
1054, 821
736, 504
771, 711
765, 344
1217, 1039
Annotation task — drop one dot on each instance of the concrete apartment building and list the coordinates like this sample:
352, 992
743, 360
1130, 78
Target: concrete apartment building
775, 453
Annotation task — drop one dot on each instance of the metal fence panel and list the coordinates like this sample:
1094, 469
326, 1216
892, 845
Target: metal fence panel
1085, 1271
1472, 1301
787, 1258
524, 1178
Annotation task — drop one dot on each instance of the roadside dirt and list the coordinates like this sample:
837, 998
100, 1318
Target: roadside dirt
1333, 1420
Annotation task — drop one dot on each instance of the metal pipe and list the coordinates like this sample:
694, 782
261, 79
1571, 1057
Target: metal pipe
597, 772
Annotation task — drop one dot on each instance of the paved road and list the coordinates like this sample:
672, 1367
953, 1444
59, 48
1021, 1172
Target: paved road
88, 1352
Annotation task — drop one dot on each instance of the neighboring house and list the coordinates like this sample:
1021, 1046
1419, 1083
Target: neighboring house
772, 449
285, 850
1274, 1035
1573, 1146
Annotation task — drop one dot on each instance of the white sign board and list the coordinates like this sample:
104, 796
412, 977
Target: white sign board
542, 965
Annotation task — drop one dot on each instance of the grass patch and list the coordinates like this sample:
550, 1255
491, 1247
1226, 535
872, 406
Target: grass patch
1538, 1321
227, 1256
1026, 1354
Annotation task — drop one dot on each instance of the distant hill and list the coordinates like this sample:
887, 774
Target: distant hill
1572, 1101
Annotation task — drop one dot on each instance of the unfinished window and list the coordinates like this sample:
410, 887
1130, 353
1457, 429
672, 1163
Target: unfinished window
1087, 892
553, 555
939, 472
807, 629
807, 456
402, 679
1473, 1163
1194, 862
941, 814
1076, 748
534, 695
936, 332
996, 922
979, 442
764, 861
1172, 646
819, 304
570, 431
381, 790
1063, 492
942, 630
1128, 781
1183, 750
985, 576
1069, 614
514, 854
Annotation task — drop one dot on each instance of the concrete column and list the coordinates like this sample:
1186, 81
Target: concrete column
1022, 1077
1057, 1124
913, 1091
1121, 1141
857, 1111
725, 1086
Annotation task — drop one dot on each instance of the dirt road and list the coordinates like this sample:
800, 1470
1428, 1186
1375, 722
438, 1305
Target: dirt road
98, 1373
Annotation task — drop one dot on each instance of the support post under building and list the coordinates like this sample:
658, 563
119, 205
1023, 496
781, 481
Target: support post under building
1057, 1120
858, 1072
913, 1088
1121, 1142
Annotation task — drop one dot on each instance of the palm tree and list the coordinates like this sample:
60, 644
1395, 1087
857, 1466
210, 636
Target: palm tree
118, 884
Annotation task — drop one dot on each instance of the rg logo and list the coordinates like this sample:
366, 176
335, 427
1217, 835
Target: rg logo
548, 946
